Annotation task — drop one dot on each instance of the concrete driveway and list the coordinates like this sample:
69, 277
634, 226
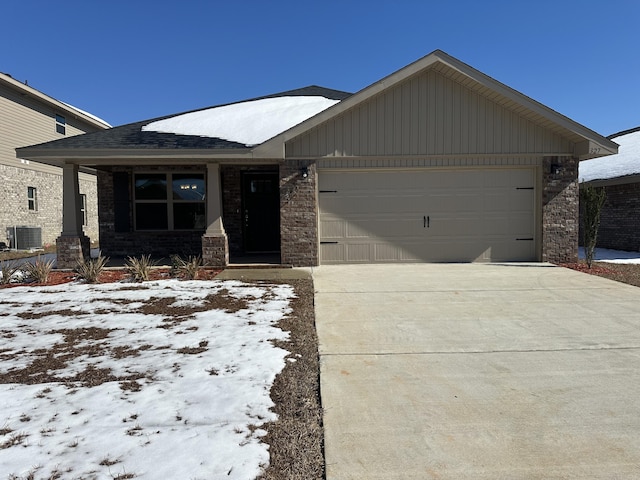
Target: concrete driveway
478, 371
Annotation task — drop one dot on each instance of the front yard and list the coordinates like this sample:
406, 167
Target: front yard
161, 379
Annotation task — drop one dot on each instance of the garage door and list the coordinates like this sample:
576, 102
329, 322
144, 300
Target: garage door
463, 215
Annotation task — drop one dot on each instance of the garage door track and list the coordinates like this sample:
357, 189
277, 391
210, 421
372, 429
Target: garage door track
478, 371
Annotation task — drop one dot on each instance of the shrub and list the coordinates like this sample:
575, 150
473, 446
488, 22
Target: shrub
7, 270
39, 270
187, 268
591, 201
139, 268
90, 270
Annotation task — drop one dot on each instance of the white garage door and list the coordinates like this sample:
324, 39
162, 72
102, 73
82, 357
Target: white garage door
462, 215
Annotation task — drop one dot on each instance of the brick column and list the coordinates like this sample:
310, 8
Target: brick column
298, 213
215, 245
560, 205
72, 245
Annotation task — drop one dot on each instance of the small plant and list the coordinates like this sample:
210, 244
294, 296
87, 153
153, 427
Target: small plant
591, 201
90, 270
39, 270
139, 268
7, 271
187, 268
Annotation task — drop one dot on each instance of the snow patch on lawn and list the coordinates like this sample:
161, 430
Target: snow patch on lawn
612, 256
193, 367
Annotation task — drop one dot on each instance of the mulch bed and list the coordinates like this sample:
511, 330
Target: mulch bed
57, 277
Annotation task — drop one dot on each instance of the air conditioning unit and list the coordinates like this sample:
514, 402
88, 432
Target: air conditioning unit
24, 238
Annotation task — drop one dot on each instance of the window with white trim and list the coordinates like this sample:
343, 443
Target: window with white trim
61, 124
169, 201
32, 199
83, 209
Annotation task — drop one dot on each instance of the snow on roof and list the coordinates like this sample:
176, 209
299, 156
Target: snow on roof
97, 119
249, 123
625, 162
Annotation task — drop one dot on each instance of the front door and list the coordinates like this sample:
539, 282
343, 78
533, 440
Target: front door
260, 212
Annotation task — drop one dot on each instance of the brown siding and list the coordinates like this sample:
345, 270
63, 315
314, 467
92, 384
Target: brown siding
428, 114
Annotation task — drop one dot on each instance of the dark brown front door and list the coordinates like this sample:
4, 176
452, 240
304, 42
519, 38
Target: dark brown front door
260, 212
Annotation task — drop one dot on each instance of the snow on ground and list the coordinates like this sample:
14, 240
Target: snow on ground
249, 123
625, 162
612, 256
166, 379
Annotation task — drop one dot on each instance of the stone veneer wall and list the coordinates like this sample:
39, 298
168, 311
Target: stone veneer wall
560, 202
13, 198
298, 214
132, 243
620, 218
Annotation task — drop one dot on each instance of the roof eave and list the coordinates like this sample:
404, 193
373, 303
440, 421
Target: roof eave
56, 104
122, 156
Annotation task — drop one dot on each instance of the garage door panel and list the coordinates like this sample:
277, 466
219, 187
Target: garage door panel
430, 215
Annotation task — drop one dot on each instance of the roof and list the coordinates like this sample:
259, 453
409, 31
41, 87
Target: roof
624, 167
589, 144
135, 136
25, 89
126, 142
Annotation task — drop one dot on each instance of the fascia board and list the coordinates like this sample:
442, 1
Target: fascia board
34, 153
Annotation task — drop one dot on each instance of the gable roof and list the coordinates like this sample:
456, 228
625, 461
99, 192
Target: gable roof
624, 167
589, 144
132, 141
24, 89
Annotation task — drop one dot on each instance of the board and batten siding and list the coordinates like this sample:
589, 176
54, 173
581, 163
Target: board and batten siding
428, 114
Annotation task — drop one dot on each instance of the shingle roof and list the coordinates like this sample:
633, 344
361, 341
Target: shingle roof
131, 136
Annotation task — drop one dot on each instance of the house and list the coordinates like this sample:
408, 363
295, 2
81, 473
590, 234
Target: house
31, 193
620, 176
435, 163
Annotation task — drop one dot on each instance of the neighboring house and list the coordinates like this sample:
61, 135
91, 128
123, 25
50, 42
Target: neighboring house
434, 163
31, 193
620, 175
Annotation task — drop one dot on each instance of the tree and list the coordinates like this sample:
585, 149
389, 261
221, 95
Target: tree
591, 201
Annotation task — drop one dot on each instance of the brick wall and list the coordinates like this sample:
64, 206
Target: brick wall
48, 216
560, 201
620, 218
132, 243
298, 213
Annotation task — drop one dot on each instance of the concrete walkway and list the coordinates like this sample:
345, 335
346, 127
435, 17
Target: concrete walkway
476, 371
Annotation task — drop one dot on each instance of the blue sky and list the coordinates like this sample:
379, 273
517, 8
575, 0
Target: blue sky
130, 60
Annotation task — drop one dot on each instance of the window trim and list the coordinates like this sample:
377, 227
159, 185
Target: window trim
83, 209
32, 199
169, 201
61, 124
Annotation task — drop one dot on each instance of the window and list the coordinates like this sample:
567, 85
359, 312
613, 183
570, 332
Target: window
61, 124
169, 201
83, 209
32, 199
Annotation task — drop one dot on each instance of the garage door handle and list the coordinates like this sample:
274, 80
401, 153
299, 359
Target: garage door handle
426, 221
